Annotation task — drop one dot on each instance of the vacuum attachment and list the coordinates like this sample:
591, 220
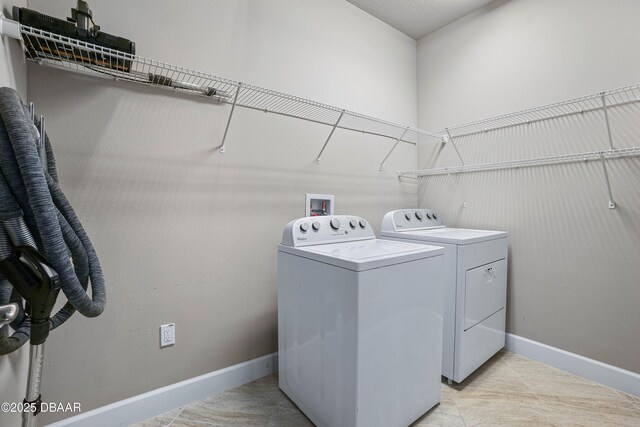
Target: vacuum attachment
8, 313
79, 26
34, 279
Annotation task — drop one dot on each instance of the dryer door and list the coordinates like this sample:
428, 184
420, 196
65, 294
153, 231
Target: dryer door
486, 292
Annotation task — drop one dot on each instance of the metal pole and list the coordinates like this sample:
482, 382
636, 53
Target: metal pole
612, 204
455, 147
42, 151
394, 147
333, 129
233, 107
606, 119
36, 357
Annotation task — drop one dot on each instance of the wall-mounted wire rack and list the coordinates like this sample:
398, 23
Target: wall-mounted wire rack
540, 161
602, 101
71, 54
599, 101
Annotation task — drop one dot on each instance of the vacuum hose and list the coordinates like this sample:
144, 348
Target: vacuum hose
35, 217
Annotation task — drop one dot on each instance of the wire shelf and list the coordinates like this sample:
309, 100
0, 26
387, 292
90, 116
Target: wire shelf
67, 53
539, 161
594, 102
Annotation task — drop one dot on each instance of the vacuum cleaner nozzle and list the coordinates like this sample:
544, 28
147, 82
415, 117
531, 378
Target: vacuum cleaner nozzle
38, 283
79, 26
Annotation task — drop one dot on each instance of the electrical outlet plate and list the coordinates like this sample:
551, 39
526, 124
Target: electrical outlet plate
167, 334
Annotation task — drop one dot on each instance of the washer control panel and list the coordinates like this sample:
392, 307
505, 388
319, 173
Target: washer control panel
318, 230
411, 219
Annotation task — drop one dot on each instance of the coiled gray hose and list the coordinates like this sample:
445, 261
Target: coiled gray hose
35, 212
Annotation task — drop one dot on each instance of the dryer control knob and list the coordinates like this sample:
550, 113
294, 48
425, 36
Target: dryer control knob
335, 223
304, 227
407, 216
428, 215
316, 225
353, 223
363, 224
435, 216
419, 216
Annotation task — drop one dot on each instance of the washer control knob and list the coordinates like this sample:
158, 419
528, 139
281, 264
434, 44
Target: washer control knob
407, 216
335, 223
419, 216
304, 227
315, 225
428, 215
435, 216
353, 223
363, 224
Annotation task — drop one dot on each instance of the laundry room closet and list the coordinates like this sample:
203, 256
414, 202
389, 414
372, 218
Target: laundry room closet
515, 115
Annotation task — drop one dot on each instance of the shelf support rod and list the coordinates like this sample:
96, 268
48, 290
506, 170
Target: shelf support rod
612, 204
333, 129
393, 148
606, 119
233, 107
455, 147
464, 199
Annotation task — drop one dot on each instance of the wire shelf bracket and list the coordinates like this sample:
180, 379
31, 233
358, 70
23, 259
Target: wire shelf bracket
612, 204
333, 129
464, 199
9, 28
606, 120
233, 107
455, 147
393, 148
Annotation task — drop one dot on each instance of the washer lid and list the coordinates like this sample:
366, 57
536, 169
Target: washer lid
364, 254
455, 236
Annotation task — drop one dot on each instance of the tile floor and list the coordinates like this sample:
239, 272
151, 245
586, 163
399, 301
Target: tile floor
509, 390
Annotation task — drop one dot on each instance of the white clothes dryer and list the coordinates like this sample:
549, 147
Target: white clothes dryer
475, 286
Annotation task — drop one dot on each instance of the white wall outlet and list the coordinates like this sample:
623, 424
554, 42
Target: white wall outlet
167, 334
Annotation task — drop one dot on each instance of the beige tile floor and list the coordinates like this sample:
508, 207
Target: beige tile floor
509, 390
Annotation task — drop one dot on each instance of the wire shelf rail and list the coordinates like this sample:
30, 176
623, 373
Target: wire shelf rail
594, 102
71, 54
538, 161
600, 102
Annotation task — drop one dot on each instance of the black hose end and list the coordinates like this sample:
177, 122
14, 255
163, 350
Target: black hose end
39, 331
35, 406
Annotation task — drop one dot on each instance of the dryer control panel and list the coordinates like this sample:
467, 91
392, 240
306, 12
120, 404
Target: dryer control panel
411, 219
318, 230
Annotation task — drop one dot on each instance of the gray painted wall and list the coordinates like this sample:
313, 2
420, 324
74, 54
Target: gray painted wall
13, 367
574, 280
188, 235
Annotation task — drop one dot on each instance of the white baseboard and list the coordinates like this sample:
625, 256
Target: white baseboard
155, 402
602, 373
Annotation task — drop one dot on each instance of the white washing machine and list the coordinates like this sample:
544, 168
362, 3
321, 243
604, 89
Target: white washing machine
359, 323
475, 292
